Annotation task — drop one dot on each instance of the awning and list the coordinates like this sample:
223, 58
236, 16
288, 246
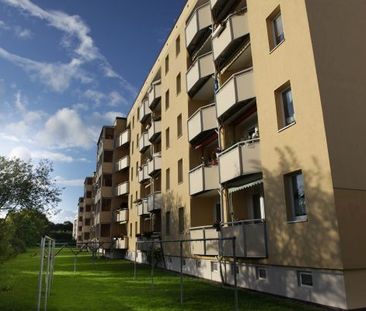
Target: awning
251, 184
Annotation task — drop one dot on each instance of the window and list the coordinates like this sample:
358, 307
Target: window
285, 106
178, 83
167, 99
179, 126
138, 113
305, 279
166, 64
181, 219
167, 223
137, 168
261, 273
275, 28
131, 202
106, 205
88, 194
136, 228
167, 138
133, 121
131, 173
180, 171
131, 229
87, 221
80, 218
295, 196
132, 147
81, 209
105, 230
88, 208
167, 179
177, 46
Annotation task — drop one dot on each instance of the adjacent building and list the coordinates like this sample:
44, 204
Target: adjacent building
249, 124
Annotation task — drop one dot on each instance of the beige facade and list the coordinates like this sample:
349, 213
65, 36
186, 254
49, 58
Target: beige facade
249, 120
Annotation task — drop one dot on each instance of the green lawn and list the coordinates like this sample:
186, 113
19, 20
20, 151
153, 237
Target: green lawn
109, 285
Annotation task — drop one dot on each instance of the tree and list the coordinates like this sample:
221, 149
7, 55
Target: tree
27, 186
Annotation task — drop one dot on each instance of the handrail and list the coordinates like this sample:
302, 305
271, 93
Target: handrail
199, 110
234, 75
243, 142
203, 165
244, 221
194, 12
202, 227
197, 59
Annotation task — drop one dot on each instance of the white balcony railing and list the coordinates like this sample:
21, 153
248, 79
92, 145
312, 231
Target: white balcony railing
154, 130
197, 74
142, 208
122, 188
154, 94
154, 201
143, 173
202, 121
198, 22
144, 110
121, 243
240, 159
236, 27
123, 138
154, 165
144, 142
239, 88
203, 178
122, 163
122, 216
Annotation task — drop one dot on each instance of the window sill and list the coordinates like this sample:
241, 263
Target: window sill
295, 221
286, 127
277, 46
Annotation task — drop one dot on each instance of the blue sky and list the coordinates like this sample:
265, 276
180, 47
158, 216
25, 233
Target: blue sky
66, 68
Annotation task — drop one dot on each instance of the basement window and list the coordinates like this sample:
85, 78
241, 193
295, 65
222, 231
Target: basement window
305, 279
261, 273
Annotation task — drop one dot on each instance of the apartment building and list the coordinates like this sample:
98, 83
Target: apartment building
248, 125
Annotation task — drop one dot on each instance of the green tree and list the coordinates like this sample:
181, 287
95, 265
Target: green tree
24, 185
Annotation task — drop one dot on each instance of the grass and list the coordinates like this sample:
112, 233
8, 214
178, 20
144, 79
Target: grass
109, 285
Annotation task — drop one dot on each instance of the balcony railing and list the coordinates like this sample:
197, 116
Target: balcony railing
239, 88
122, 188
122, 164
203, 178
123, 138
251, 240
231, 37
154, 201
202, 122
143, 173
199, 72
142, 208
104, 144
103, 217
154, 165
144, 110
144, 142
154, 130
121, 243
104, 168
240, 159
122, 216
198, 26
204, 248
154, 94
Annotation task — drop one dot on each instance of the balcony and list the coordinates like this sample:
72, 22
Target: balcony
199, 77
220, 8
154, 94
121, 243
155, 131
237, 90
143, 173
240, 159
142, 208
144, 110
122, 189
104, 168
144, 142
103, 192
122, 163
123, 138
202, 123
104, 144
230, 38
122, 216
104, 217
204, 248
203, 178
154, 202
251, 241
197, 28
154, 165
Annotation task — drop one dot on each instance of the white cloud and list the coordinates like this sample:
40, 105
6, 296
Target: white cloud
106, 118
116, 98
23, 33
69, 182
66, 129
55, 75
95, 96
21, 153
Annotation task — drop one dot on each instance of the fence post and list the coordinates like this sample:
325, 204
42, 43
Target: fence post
135, 262
181, 271
47, 274
40, 276
236, 300
152, 264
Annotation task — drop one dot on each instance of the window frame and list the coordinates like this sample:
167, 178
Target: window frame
291, 207
180, 177
281, 111
272, 29
179, 126
167, 222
